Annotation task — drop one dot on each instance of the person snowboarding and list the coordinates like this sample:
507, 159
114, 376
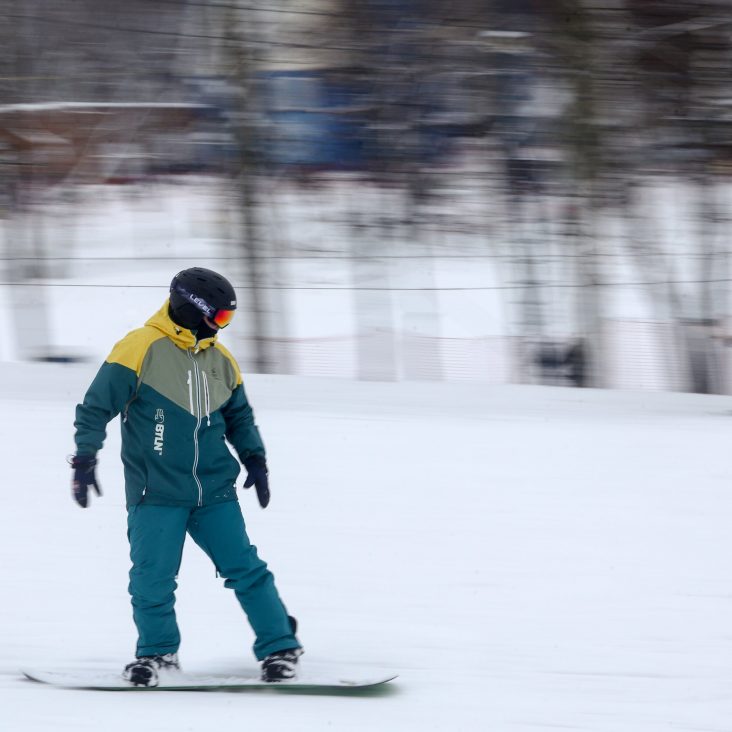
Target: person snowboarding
181, 397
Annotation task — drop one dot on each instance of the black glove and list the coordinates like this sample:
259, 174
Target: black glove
257, 474
84, 477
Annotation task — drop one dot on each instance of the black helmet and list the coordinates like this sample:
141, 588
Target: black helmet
196, 292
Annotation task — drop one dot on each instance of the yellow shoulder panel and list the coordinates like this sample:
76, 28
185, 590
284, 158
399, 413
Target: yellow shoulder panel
131, 350
232, 360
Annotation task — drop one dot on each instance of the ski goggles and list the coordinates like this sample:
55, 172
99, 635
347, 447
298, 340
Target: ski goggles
222, 317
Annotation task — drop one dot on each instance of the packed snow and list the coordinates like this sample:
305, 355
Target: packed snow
523, 557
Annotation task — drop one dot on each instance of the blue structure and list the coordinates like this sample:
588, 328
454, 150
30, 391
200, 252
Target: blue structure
314, 122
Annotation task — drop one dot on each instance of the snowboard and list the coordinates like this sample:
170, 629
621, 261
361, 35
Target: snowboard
181, 681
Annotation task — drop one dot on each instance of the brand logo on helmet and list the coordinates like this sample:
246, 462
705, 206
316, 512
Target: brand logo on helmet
199, 302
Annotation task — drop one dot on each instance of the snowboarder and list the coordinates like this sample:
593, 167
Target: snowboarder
181, 395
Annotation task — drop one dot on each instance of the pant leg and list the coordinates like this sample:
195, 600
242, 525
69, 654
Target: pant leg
156, 535
220, 531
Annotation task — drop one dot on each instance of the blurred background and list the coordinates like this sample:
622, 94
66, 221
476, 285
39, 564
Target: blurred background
524, 191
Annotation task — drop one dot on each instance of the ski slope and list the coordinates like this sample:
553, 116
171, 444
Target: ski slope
526, 558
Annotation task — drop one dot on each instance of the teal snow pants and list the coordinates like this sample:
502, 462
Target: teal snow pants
157, 535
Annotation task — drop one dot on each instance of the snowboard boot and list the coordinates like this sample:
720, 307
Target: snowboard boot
281, 665
143, 671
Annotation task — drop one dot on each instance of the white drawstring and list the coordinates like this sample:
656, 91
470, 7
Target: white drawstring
206, 397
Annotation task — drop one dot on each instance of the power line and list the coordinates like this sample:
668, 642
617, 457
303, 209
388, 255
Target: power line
356, 288
536, 258
102, 26
172, 34
252, 8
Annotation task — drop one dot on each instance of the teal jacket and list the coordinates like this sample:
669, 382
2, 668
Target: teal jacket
181, 401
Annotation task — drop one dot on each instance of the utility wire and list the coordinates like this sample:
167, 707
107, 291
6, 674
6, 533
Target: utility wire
356, 288
538, 258
175, 34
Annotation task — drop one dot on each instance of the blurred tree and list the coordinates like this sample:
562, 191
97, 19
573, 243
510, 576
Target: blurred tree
88, 50
681, 54
243, 31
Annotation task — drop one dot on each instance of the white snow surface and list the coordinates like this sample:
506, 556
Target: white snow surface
525, 558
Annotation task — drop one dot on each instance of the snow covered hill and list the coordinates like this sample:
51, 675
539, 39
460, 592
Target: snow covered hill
525, 558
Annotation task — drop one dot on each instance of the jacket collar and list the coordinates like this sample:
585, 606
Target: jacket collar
182, 337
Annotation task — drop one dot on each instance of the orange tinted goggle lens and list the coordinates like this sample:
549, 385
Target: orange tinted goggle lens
223, 317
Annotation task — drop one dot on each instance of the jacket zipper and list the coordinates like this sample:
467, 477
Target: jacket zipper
197, 428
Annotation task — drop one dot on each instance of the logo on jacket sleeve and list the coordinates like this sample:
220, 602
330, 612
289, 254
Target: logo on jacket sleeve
159, 431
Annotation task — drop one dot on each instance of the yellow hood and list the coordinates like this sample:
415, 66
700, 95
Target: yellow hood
182, 337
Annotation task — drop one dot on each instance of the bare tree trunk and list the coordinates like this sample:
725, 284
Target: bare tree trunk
422, 360
373, 307
706, 369
583, 143
246, 132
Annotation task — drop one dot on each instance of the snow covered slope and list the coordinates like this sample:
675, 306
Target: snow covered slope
525, 558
